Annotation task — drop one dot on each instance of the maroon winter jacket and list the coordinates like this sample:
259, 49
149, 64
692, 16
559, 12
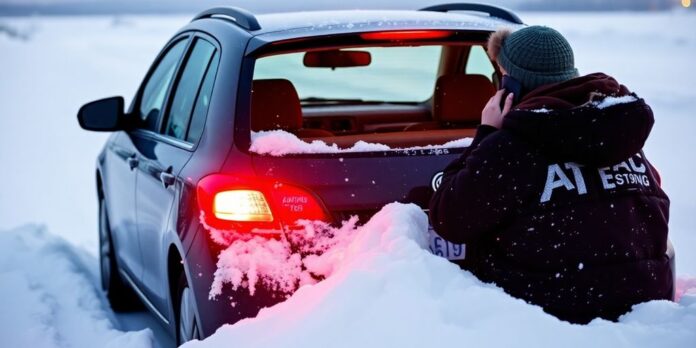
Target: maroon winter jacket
561, 207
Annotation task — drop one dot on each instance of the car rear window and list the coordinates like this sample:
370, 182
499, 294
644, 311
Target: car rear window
424, 98
396, 74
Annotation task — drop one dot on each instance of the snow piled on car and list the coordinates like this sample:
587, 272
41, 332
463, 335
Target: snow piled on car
302, 256
281, 143
48, 296
385, 289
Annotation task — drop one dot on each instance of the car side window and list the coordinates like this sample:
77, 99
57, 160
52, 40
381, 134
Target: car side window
155, 90
187, 89
200, 110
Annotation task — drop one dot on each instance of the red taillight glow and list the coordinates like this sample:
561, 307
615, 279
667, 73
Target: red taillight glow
294, 203
231, 203
406, 35
241, 205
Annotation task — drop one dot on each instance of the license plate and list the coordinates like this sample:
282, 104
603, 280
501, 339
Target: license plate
440, 247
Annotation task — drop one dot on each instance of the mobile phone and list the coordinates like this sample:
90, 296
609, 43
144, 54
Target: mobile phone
510, 85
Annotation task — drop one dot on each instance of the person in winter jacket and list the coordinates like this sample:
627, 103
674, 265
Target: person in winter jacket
555, 199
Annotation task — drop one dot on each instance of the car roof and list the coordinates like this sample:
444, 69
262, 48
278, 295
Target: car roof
298, 25
302, 24
265, 29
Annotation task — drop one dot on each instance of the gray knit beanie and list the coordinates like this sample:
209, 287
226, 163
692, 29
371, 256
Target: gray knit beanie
537, 56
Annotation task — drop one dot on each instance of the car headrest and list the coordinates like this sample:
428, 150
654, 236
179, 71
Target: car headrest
460, 98
275, 105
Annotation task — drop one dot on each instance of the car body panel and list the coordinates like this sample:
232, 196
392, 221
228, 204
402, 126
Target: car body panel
153, 204
349, 183
119, 193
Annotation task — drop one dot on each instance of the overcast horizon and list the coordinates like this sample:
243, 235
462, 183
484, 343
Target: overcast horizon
107, 7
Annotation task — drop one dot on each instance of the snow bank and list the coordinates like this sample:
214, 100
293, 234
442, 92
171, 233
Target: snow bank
387, 290
48, 297
280, 143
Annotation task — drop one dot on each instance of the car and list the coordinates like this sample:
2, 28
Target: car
185, 157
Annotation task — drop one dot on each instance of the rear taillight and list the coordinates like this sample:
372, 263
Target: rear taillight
241, 205
254, 206
293, 203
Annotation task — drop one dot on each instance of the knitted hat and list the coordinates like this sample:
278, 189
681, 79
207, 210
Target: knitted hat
535, 56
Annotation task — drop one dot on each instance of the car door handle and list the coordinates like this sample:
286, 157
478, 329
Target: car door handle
132, 161
167, 177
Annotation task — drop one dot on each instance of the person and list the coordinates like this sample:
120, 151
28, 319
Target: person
555, 199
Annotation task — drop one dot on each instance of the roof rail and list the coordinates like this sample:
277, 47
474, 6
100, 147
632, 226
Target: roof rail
243, 18
493, 11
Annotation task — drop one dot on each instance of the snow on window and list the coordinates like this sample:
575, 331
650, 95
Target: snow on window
611, 101
280, 143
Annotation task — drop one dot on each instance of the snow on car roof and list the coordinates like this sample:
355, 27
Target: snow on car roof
298, 24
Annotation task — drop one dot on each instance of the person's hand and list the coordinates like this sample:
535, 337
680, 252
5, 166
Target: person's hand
491, 114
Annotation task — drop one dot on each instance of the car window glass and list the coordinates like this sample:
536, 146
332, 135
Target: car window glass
479, 63
395, 74
187, 89
155, 91
200, 109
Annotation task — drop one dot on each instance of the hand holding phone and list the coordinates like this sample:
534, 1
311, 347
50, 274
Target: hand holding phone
510, 85
493, 114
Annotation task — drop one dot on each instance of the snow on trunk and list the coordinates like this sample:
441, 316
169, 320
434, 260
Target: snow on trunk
280, 143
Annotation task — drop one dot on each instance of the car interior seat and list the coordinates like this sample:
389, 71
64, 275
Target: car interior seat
276, 105
457, 102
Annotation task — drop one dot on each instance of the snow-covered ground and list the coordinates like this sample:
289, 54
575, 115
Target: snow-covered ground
390, 291
48, 298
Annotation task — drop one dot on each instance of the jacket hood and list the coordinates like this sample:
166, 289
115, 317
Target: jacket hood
591, 120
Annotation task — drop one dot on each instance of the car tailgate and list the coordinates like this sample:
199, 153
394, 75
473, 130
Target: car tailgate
361, 183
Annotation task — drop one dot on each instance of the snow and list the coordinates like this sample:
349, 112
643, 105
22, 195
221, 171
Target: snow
281, 143
49, 290
604, 103
611, 101
306, 255
389, 291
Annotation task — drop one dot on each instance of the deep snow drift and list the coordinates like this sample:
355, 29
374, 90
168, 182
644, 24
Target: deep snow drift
49, 298
387, 290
